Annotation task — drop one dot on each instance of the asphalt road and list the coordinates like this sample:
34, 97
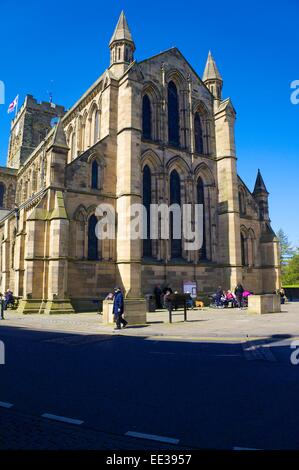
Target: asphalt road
215, 394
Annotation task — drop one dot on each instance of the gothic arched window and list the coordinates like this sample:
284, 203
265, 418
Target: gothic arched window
198, 134
243, 249
242, 205
92, 238
94, 175
73, 145
2, 193
201, 200
96, 127
146, 118
175, 198
173, 115
147, 199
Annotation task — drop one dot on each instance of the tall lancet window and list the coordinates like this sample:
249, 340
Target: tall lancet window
92, 238
244, 250
73, 145
96, 127
173, 115
201, 200
175, 198
146, 118
94, 175
147, 199
198, 134
2, 192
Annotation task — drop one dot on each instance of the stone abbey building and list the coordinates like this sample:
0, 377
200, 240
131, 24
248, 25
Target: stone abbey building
152, 132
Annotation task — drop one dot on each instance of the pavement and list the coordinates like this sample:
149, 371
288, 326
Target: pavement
206, 323
222, 380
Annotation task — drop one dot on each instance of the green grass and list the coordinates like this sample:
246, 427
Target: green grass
289, 287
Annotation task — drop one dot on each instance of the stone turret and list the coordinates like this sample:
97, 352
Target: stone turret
212, 78
57, 158
122, 47
261, 196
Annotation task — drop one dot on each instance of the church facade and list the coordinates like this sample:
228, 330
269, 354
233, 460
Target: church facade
147, 132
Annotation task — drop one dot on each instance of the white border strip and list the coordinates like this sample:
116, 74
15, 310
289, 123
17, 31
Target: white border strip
152, 437
4, 404
62, 418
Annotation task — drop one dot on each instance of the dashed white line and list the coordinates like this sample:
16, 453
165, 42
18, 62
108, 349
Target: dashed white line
152, 437
244, 448
4, 404
64, 419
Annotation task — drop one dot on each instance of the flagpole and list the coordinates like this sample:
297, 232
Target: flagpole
16, 111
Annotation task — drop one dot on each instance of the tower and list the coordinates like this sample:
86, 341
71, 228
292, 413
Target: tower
261, 197
212, 78
122, 47
29, 128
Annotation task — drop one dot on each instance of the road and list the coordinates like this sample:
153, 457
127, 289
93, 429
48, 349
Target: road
207, 394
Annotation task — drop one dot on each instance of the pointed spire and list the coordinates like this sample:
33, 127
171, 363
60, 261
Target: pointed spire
59, 137
122, 31
211, 71
260, 186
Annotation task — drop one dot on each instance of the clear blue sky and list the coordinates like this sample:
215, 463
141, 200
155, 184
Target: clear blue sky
254, 43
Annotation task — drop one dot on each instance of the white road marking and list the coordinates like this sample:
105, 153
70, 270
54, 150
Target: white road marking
62, 418
244, 448
152, 437
259, 351
4, 404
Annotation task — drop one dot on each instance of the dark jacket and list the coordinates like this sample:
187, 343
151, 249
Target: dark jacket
118, 304
239, 290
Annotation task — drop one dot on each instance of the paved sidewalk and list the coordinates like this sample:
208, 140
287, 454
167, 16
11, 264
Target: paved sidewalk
207, 323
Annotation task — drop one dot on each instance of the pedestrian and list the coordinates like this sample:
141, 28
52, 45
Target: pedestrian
158, 294
189, 300
282, 296
218, 296
118, 309
239, 295
9, 298
168, 302
1, 306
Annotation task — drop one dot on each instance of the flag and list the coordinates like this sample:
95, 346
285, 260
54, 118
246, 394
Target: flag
13, 104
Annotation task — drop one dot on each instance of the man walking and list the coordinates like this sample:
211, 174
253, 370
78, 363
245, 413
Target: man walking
1, 306
118, 309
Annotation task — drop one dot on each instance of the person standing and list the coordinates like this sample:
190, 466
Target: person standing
1, 306
118, 309
282, 296
9, 299
239, 295
158, 294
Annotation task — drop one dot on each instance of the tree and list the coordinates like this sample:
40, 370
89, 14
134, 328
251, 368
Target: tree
287, 251
291, 271
289, 260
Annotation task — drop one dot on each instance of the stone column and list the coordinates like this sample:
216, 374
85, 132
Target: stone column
228, 205
129, 192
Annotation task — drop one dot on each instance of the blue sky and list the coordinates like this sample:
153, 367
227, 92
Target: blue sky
255, 45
